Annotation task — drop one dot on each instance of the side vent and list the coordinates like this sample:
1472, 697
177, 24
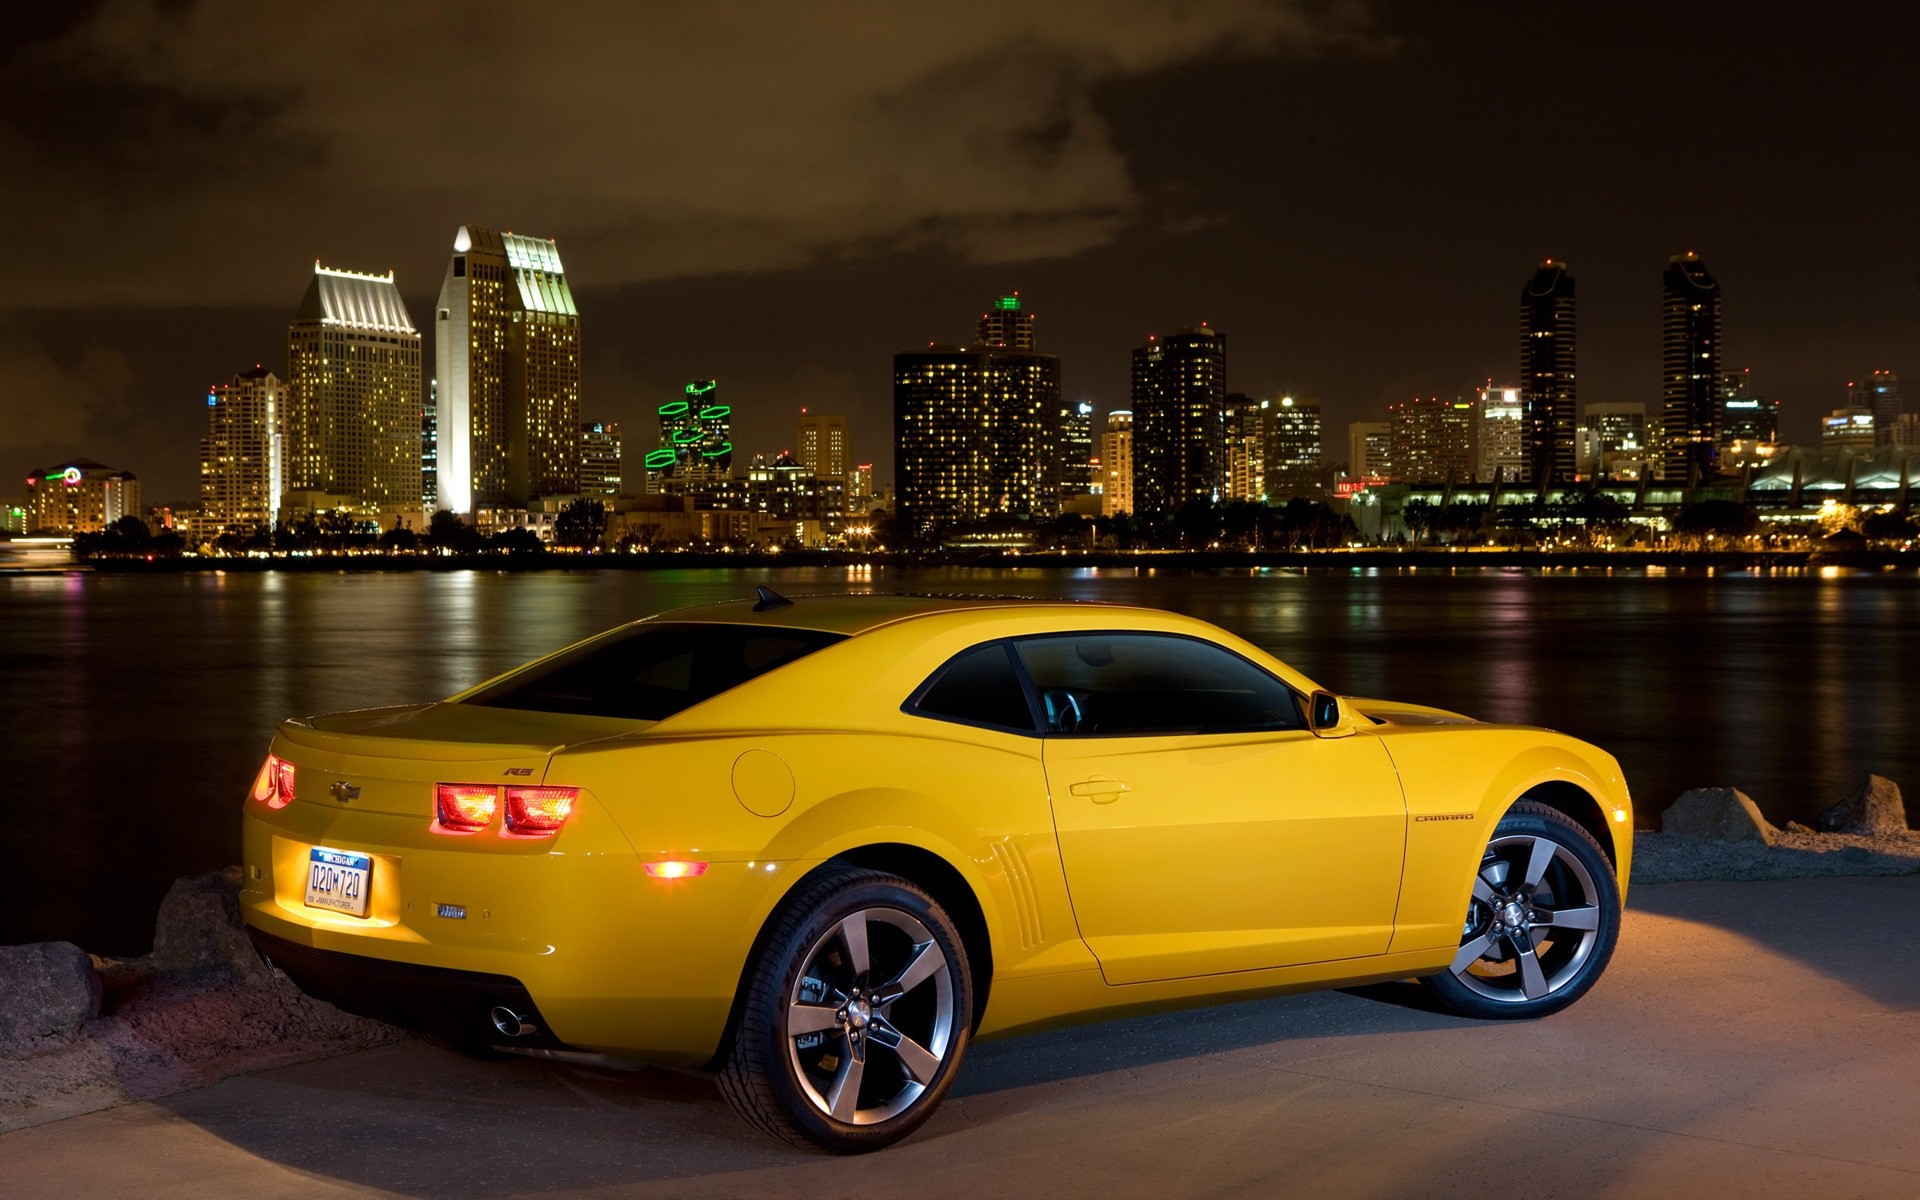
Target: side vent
1020, 881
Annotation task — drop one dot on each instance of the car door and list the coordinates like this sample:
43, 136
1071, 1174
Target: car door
1203, 828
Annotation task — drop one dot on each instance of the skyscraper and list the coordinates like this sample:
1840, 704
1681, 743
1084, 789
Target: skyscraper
1370, 450
507, 346
1116, 461
352, 397
1295, 448
1619, 433
1074, 457
696, 442
1005, 326
1744, 416
822, 444
430, 448
1547, 377
1501, 435
240, 455
79, 496
1690, 368
599, 460
1243, 471
1432, 439
1880, 392
1179, 426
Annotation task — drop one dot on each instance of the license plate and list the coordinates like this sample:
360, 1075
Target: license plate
339, 881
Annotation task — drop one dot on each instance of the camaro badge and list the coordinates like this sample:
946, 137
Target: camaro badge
1445, 817
344, 791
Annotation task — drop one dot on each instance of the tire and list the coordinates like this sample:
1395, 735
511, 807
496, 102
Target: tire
1541, 925
833, 1055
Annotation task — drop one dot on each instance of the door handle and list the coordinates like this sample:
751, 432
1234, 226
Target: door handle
1102, 789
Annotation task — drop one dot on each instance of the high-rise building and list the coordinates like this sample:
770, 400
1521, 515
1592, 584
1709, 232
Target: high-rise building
1848, 429
1179, 430
430, 448
240, 470
1370, 450
507, 354
79, 496
1432, 439
1620, 439
1744, 416
1244, 473
1074, 457
1548, 396
1501, 434
1690, 368
1006, 326
696, 442
1295, 450
599, 459
977, 428
1116, 463
822, 444
1879, 392
352, 398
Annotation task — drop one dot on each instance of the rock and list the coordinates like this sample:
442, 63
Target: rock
1855, 854
1874, 809
51, 992
1797, 827
198, 931
1721, 814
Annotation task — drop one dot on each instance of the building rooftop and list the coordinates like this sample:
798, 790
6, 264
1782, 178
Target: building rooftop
354, 300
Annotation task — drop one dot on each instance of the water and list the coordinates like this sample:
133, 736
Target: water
136, 709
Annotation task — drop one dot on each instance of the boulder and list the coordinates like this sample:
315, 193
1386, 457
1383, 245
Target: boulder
198, 931
51, 992
1720, 814
1875, 808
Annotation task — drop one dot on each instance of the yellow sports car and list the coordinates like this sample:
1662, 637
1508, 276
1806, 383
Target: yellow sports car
818, 845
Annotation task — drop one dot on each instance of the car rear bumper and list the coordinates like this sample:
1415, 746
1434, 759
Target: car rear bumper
458, 1006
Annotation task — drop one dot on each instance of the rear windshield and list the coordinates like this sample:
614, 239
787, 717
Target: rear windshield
649, 672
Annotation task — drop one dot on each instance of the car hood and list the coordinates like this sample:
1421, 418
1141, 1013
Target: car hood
1395, 712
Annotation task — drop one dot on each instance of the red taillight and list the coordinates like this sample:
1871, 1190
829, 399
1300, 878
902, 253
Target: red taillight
467, 806
539, 809
273, 787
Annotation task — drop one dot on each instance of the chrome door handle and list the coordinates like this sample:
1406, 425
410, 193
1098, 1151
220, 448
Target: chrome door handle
1102, 790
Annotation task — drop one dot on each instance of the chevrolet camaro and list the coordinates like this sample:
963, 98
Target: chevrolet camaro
817, 846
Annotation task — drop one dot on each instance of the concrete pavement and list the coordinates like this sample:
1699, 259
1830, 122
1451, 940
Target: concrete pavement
1751, 1039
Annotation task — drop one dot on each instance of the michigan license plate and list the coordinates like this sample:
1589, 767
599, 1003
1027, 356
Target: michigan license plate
339, 881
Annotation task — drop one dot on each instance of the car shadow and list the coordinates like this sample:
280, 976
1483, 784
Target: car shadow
418, 1121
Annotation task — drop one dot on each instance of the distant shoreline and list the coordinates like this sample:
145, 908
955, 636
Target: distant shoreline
1374, 558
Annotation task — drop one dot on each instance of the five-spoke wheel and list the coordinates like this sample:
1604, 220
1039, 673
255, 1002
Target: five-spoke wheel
856, 1016
1541, 923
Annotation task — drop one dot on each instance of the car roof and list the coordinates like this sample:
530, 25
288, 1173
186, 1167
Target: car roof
855, 613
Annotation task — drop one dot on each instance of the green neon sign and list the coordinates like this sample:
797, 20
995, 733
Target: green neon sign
657, 459
674, 408
713, 412
1008, 304
701, 387
686, 437
725, 449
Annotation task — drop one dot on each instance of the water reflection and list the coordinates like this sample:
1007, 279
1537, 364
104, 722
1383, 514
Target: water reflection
137, 709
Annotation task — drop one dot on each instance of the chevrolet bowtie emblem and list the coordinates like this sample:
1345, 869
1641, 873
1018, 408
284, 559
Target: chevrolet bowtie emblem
344, 791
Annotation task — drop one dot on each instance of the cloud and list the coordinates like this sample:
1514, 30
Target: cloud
161, 152
51, 405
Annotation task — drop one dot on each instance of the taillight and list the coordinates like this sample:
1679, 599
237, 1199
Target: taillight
467, 806
273, 787
539, 809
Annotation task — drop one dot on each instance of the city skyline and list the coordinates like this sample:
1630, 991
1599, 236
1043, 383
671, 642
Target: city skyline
1298, 193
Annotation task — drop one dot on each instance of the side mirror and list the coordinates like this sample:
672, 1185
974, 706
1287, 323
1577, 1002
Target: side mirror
1327, 717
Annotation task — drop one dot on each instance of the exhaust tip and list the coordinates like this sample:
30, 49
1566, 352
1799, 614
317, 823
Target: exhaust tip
510, 1023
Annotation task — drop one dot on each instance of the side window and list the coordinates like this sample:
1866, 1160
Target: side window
978, 687
1119, 684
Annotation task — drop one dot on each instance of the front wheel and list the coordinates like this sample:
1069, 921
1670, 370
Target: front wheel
1542, 923
855, 1017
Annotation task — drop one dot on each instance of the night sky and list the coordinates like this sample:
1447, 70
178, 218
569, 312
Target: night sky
782, 196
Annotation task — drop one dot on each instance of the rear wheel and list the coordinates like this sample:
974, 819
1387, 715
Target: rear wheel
1541, 924
855, 1017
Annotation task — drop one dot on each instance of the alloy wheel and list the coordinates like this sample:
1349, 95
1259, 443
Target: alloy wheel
1534, 921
